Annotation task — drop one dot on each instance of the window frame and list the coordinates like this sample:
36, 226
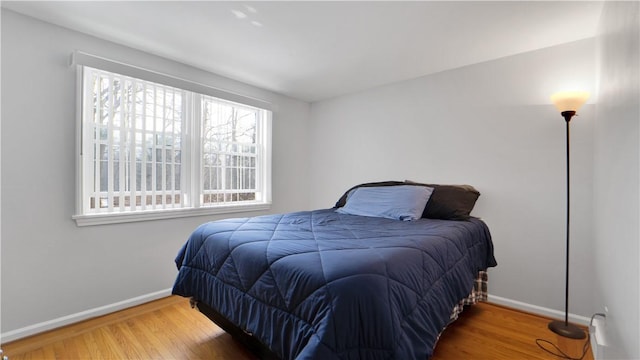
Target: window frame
192, 164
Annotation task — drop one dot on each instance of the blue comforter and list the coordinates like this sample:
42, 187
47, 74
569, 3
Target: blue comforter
323, 285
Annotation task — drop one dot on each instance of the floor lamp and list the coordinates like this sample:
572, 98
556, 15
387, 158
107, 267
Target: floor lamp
568, 104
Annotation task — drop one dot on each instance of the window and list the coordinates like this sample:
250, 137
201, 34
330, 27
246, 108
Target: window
152, 151
230, 151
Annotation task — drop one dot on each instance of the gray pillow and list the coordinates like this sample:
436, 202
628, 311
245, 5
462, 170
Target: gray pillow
449, 202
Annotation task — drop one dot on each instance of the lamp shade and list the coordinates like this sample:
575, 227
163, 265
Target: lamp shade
569, 100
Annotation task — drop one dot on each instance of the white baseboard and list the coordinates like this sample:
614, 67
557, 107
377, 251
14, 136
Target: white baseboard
83, 315
538, 310
103, 310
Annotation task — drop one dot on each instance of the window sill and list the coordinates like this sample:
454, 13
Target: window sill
116, 218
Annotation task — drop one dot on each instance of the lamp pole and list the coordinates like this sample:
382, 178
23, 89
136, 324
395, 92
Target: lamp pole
567, 118
564, 328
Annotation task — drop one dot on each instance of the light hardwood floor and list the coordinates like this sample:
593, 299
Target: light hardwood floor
170, 329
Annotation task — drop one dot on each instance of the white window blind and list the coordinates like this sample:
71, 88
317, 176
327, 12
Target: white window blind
230, 152
150, 150
134, 152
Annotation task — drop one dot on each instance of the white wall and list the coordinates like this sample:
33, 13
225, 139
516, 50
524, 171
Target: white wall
617, 178
490, 125
50, 267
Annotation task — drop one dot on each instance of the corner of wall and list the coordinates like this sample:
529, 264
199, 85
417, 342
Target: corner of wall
617, 178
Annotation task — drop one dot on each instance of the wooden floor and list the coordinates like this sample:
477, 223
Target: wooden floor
170, 329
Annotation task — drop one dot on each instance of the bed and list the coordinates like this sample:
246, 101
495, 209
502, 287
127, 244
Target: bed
325, 284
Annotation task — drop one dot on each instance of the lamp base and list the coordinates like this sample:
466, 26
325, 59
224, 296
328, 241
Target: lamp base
567, 330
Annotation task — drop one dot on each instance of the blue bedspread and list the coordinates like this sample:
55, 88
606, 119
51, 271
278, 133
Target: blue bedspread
323, 285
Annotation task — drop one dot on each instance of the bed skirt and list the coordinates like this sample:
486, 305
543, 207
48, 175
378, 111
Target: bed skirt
478, 293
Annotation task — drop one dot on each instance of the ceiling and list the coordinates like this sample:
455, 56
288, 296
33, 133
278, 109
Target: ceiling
315, 50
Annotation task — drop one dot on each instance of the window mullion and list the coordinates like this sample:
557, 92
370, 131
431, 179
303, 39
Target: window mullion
110, 177
163, 151
154, 142
97, 141
196, 147
90, 143
224, 151
185, 151
255, 164
122, 153
172, 166
143, 157
133, 160
261, 155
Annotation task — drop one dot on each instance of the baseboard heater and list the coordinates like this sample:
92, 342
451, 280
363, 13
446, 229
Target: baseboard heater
598, 335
